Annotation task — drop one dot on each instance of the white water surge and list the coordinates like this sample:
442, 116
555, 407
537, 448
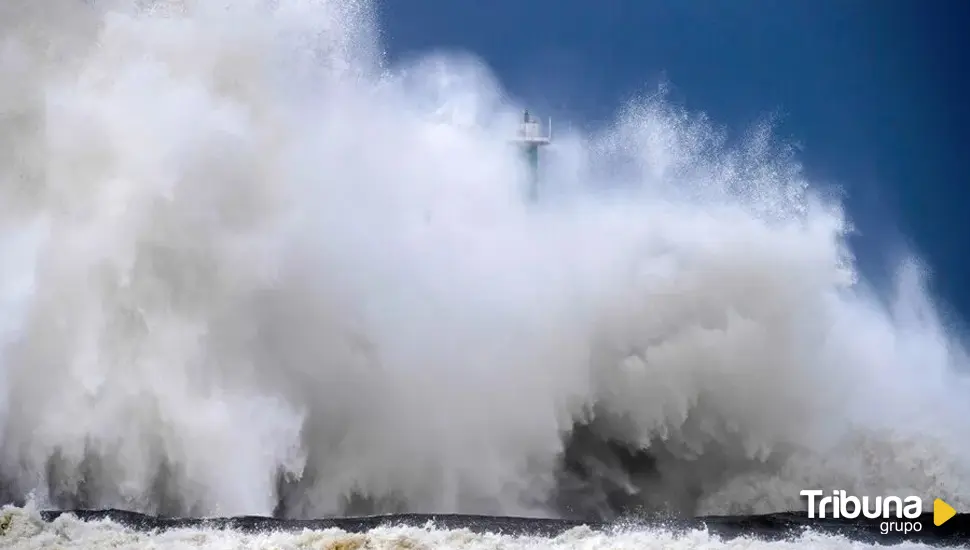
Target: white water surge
247, 266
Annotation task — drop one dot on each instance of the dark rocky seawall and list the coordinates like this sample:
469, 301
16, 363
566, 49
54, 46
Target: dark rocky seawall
781, 526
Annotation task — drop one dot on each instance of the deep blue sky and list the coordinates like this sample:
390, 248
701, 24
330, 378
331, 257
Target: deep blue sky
874, 90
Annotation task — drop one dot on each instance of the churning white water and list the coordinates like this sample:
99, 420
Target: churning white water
247, 266
24, 530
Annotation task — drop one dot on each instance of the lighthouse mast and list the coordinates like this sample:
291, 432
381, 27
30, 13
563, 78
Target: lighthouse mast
529, 138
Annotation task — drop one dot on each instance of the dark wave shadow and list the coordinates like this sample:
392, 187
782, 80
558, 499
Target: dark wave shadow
781, 526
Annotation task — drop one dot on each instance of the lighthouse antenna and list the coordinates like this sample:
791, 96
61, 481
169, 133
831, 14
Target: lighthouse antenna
529, 139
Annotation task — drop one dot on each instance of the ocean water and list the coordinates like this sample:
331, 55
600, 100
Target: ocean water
27, 529
251, 268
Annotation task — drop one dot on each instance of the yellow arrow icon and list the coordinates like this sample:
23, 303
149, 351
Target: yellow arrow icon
942, 512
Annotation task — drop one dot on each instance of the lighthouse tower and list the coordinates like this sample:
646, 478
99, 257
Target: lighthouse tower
529, 138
